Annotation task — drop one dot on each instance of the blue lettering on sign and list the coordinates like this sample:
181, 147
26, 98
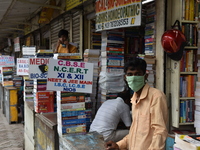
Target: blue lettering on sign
38, 75
69, 89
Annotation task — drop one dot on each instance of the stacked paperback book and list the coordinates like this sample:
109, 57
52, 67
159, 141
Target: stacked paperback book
73, 113
43, 100
150, 29
187, 142
92, 56
6, 76
28, 89
111, 60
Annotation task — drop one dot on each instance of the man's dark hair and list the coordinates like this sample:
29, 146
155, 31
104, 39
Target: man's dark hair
63, 32
126, 96
136, 64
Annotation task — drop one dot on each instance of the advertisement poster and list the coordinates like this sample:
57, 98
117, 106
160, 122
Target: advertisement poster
38, 68
7, 61
22, 66
70, 76
117, 14
16, 44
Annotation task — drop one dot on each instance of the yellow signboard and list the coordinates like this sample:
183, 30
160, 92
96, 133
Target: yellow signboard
73, 3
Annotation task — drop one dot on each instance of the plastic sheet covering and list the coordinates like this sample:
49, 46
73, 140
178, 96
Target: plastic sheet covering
112, 83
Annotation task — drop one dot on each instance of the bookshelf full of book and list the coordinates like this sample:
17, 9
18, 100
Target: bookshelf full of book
184, 72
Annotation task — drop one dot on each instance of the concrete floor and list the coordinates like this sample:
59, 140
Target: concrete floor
11, 135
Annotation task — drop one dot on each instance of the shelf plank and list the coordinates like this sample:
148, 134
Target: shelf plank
189, 21
188, 72
187, 123
190, 47
186, 98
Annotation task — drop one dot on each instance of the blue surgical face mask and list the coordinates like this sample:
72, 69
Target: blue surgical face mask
135, 82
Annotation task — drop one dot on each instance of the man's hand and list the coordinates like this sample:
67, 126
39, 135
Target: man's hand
110, 145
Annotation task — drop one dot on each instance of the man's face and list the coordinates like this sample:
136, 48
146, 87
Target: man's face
63, 38
134, 72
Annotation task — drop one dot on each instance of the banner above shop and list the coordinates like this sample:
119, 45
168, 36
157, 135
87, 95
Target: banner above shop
73, 3
70, 76
114, 14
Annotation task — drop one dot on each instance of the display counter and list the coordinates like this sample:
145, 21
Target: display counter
46, 135
29, 130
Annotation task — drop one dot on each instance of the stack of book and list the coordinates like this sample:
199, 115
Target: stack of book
28, 89
17, 81
150, 29
44, 53
151, 61
71, 114
112, 51
6, 76
28, 51
95, 37
187, 142
92, 56
111, 60
43, 100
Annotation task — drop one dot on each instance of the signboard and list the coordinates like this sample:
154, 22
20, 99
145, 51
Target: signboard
38, 68
70, 76
16, 44
22, 66
6, 61
111, 14
73, 3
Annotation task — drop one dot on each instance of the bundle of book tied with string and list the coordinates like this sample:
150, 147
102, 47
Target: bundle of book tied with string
92, 56
112, 58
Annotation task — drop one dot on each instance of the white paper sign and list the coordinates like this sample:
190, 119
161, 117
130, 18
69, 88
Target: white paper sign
34, 68
22, 66
118, 14
7, 61
70, 76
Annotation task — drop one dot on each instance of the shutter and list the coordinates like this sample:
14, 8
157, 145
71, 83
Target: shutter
67, 19
56, 26
77, 29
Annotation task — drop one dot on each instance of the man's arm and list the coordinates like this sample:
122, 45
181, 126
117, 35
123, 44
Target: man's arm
159, 114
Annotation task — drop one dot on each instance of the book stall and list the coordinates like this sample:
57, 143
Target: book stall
73, 81
9, 98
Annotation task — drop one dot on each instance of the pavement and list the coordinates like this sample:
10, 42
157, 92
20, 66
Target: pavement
11, 135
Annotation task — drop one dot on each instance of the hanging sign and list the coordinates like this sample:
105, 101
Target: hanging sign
73, 3
6, 61
70, 76
16, 44
38, 68
22, 66
111, 14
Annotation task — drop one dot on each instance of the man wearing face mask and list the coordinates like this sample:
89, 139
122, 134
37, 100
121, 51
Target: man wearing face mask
149, 112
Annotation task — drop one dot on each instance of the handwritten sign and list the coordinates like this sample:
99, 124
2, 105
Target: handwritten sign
114, 14
34, 68
6, 61
22, 66
70, 76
